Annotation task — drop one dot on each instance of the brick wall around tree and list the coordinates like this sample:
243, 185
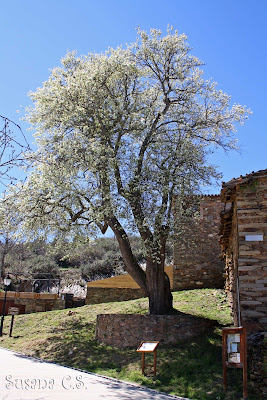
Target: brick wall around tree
129, 330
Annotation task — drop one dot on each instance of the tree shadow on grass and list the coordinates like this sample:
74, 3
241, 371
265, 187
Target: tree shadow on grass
191, 369
74, 344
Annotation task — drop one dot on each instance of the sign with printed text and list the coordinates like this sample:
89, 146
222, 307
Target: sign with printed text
234, 344
233, 348
13, 311
148, 346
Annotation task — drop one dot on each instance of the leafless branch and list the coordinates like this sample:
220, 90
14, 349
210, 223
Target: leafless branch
12, 148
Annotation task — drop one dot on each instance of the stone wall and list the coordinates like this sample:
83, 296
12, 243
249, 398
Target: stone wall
197, 261
244, 246
248, 198
257, 357
34, 302
40, 305
230, 228
252, 264
129, 330
97, 295
118, 288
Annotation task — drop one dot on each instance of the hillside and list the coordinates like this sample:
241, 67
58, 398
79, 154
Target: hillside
191, 369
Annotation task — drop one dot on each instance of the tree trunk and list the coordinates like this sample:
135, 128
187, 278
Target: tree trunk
2, 266
159, 290
4, 253
131, 264
155, 282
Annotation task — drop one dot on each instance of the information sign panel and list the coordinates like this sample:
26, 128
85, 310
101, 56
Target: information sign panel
233, 348
234, 341
13, 311
148, 347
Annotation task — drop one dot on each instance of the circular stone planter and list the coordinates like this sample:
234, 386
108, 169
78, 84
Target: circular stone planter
128, 330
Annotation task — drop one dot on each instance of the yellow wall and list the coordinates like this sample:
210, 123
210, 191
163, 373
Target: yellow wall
125, 281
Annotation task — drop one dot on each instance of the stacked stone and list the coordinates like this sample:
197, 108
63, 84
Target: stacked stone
40, 305
96, 295
129, 330
244, 247
252, 267
197, 261
257, 355
246, 259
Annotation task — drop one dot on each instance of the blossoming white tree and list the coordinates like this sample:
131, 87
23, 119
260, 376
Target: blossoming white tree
119, 135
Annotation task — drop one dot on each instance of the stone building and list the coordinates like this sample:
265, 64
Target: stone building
244, 248
197, 261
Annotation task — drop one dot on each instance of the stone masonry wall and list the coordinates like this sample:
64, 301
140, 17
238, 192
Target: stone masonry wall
197, 261
244, 246
40, 305
129, 330
257, 356
231, 262
251, 200
97, 295
34, 302
246, 259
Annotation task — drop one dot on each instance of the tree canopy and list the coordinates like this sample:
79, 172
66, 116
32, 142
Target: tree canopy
119, 135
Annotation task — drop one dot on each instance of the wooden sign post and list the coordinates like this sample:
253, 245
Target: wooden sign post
12, 311
148, 347
234, 347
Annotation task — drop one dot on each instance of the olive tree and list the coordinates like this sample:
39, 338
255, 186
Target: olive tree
118, 136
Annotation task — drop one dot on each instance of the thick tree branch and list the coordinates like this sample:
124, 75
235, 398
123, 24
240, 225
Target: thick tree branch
131, 265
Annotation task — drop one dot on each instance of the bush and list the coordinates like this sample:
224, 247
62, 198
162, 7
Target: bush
107, 264
39, 265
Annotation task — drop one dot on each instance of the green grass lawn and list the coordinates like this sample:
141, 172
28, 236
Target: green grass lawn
192, 369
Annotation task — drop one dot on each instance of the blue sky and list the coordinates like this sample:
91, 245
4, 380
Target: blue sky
229, 36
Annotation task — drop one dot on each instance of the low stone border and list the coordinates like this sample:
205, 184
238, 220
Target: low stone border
128, 330
96, 295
